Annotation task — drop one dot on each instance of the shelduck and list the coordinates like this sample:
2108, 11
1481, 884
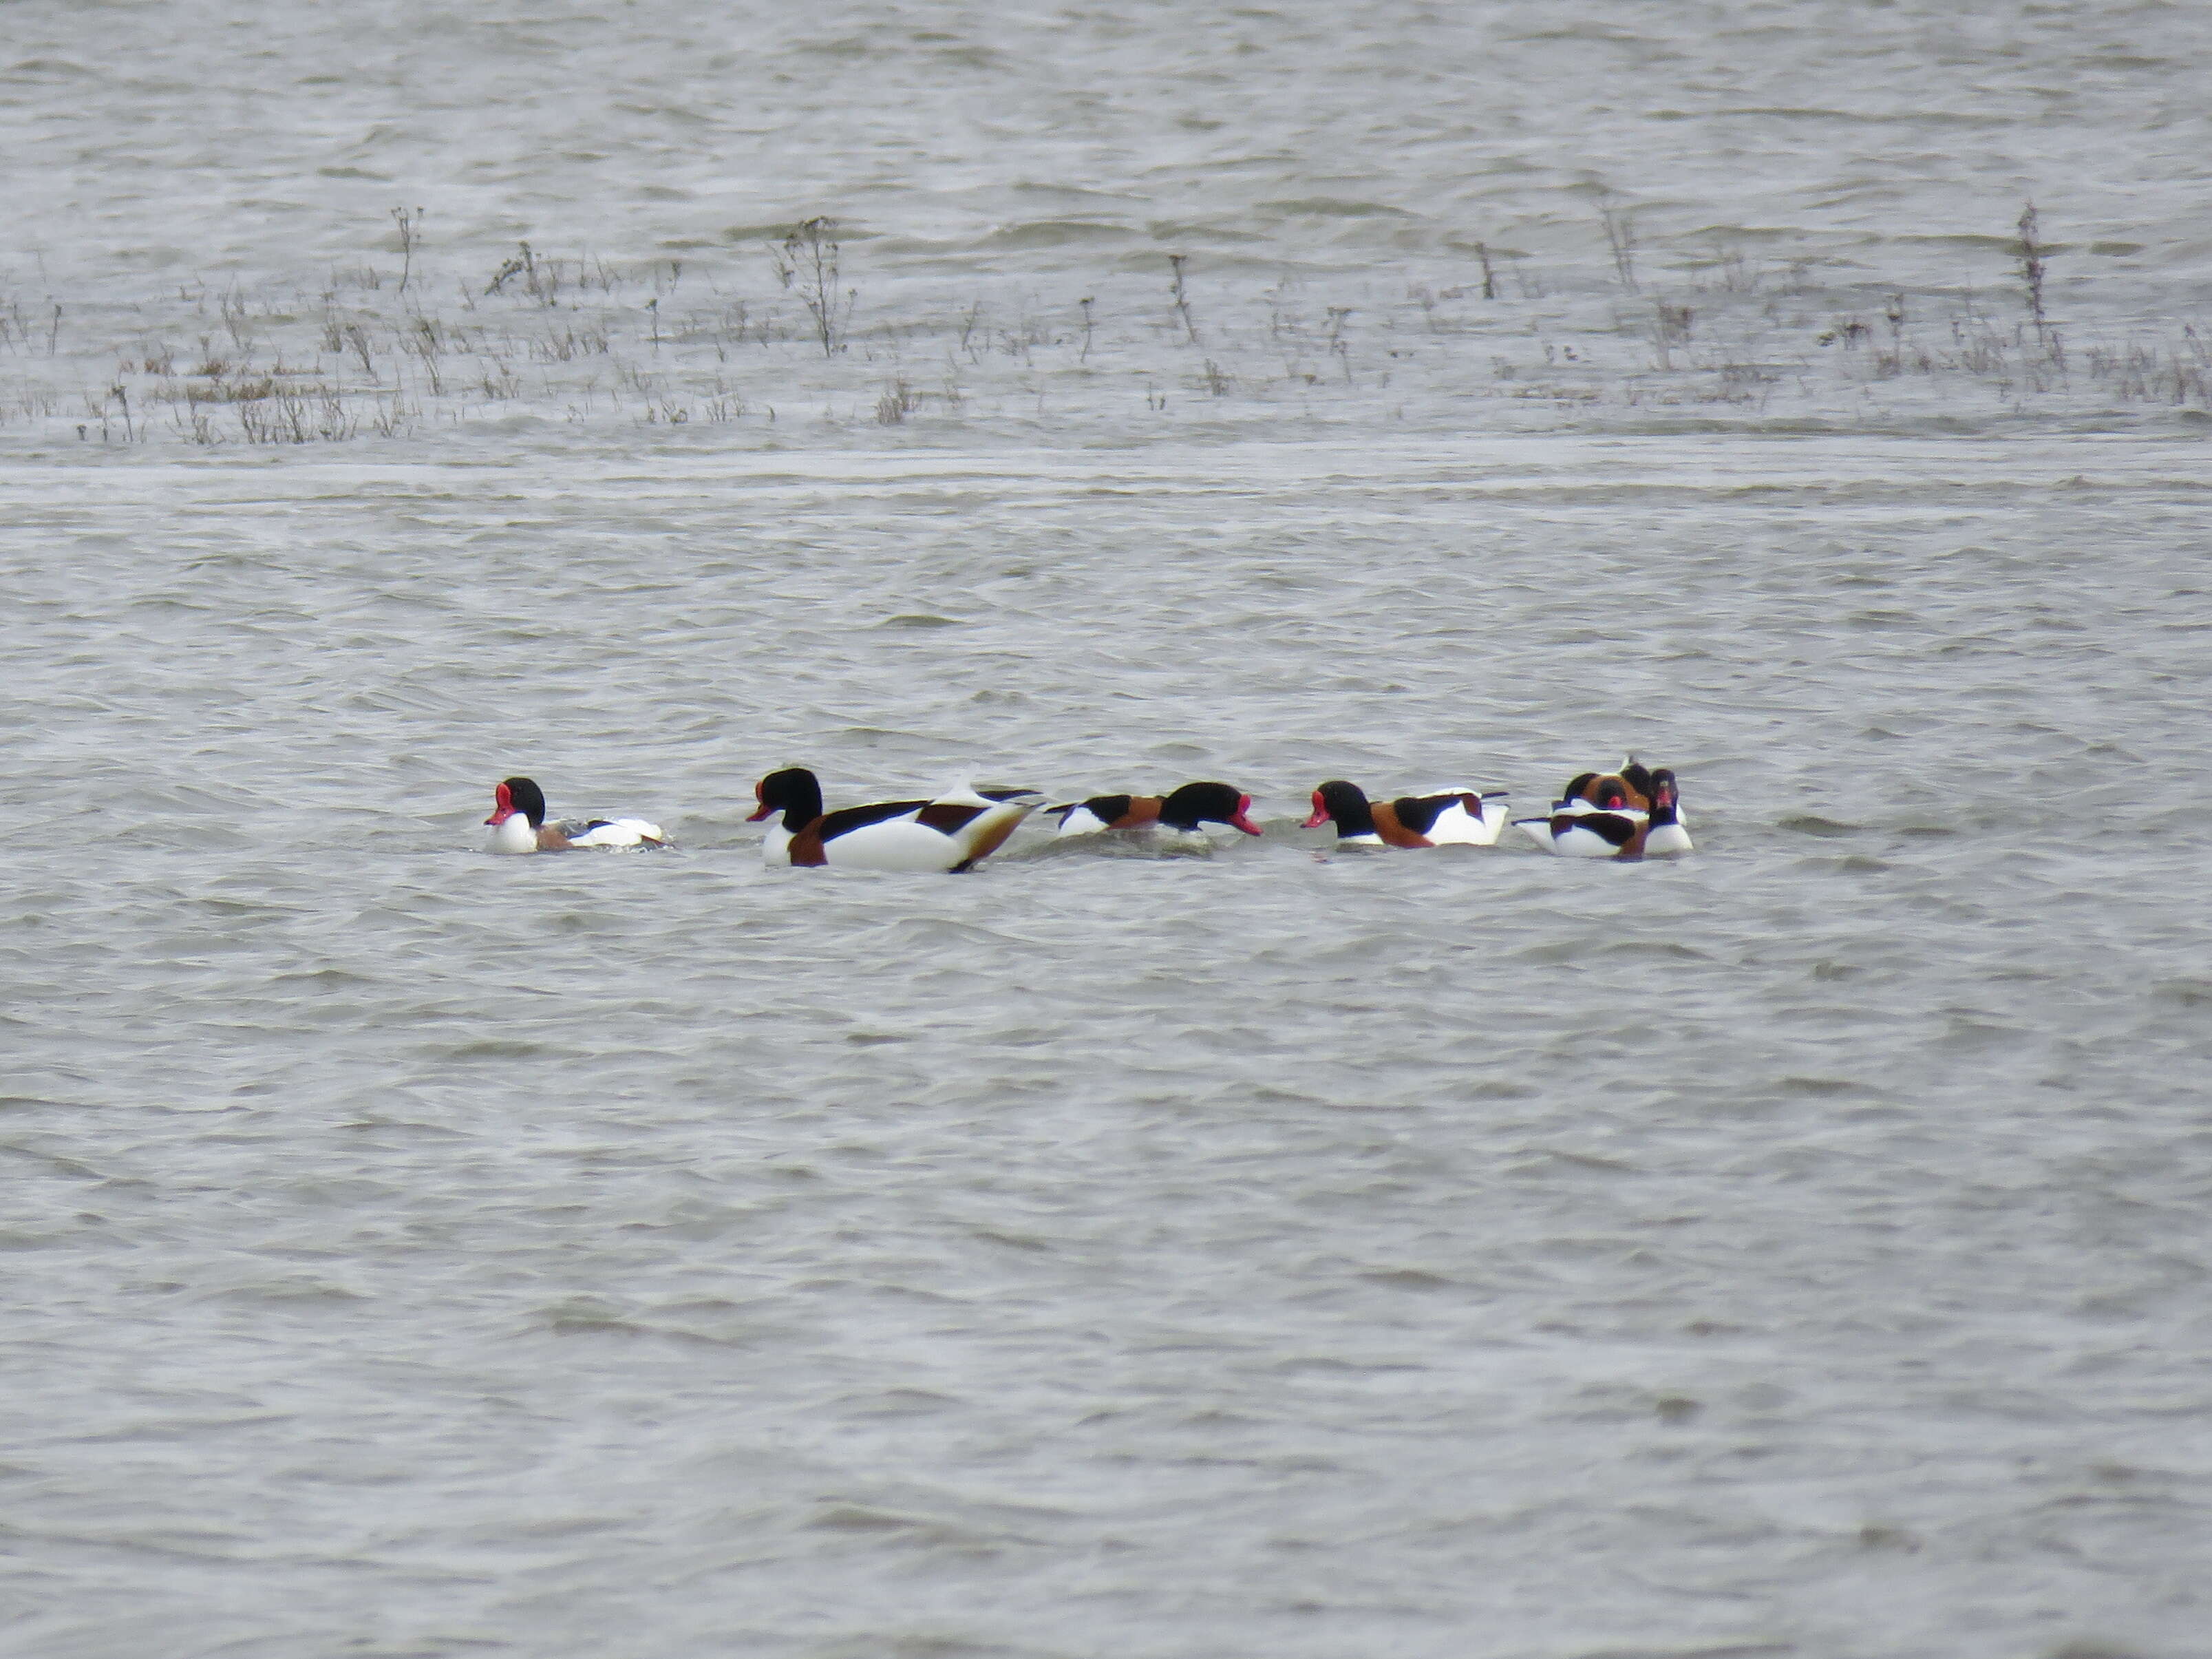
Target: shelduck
518, 825
1448, 818
955, 831
1599, 817
1630, 787
1184, 811
1664, 833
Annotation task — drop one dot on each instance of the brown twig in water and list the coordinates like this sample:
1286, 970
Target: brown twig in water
2031, 270
807, 260
1181, 296
522, 262
407, 236
1620, 236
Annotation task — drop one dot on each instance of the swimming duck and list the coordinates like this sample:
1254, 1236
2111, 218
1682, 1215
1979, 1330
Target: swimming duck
1664, 833
1451, 818
518, 825
955, 831
1596, 818
1630, 787
1185, 810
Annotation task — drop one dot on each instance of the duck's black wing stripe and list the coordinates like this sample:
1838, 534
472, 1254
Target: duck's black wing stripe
949, 816
830, 825
1420, 813
1608, 826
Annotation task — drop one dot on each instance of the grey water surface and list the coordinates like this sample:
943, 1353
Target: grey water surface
1797, 1249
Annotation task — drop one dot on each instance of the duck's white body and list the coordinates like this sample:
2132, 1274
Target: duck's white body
612, 832
1454, 817
1457, 827
1577, 830
518, 825
1081, 821
902, 843
1633, 813
512, 834
1178, 819
515, 835
951, 832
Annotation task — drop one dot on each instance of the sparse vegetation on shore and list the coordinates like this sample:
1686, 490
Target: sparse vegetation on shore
368, 352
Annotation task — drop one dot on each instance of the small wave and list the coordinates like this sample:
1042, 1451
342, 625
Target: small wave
1409, 1279
1110, 844
849, 46
972, 57
293, 1290
2184, 993
1818, 1087
900, 1402
49, 69
1055, 233
1334, 207
1811, 823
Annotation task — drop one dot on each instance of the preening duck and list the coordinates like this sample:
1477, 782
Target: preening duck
955, 831
518, 825
1630, 787
1598, 819
1185, 810
1451, 818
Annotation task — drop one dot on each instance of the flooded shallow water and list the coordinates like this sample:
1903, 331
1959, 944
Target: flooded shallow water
1797, 1248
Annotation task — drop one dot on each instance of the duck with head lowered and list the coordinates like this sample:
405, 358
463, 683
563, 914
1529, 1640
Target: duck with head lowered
1630, 787
1183, 812
1633, 813
955, 831
1445, 818
518, 825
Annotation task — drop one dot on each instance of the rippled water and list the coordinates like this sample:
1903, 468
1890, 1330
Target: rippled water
1795, 1249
